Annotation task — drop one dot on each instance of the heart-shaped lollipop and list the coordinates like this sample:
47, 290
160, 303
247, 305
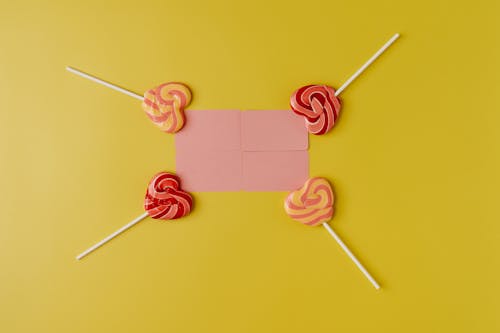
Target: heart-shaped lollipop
164, 104
312, 205
319, 104
164, 200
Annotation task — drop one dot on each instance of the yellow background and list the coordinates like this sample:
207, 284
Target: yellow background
414, 160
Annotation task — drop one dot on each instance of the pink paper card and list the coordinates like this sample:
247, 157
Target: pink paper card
275, 171
210, 130
209, 171
273, 130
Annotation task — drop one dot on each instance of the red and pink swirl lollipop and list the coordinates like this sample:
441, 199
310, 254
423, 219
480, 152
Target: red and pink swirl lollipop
320, 105
165, 200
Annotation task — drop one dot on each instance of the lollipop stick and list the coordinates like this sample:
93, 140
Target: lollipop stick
104, 83
349, 253
113, 235
366, 64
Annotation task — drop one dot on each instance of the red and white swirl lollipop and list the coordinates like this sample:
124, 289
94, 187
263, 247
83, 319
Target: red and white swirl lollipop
319, 104
164, 105
312, 205
165, 200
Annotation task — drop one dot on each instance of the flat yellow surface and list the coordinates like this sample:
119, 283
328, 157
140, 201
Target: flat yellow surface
414, 160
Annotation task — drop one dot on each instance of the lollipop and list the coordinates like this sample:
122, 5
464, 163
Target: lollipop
164, 105
313, 205
164, 201
319, 104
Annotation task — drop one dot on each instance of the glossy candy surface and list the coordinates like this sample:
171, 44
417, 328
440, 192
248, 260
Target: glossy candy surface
312, 204
318, 105
164, 198
165, 104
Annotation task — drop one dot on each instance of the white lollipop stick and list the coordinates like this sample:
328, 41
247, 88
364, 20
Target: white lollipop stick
366, 64
113, 235
104, 83
353, 258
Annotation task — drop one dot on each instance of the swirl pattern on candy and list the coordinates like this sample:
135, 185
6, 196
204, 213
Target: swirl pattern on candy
165, 104
164, 198
319, 106
312, 204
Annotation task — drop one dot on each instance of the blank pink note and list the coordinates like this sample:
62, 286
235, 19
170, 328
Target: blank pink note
273, 130
275, 171
209, 171
210, 130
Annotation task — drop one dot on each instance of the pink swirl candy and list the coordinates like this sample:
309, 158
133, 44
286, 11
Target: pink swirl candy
319, 105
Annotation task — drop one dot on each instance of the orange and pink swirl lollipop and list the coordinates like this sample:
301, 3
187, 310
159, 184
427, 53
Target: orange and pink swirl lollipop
164, 105
320, 105
165, 200
312, 205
